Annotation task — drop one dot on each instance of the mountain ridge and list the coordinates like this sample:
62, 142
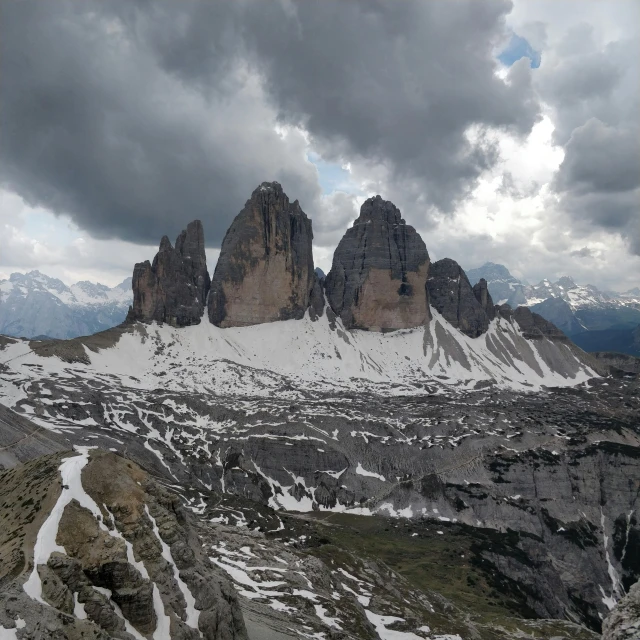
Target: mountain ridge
596, 320
35, 304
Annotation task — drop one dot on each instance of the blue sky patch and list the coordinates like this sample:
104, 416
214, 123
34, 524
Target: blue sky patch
517, 48
332, 176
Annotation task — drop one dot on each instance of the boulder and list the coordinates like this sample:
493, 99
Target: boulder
452, 296
379, 272
265, 269
174, 288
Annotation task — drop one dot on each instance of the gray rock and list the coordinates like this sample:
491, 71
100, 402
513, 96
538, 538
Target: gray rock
379, 271
265, 269
623, 623
174, 288
450, 293
481, 292
316, 299
618, 361
534, 326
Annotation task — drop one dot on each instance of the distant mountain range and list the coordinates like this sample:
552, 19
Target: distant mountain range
595, 320
35, 305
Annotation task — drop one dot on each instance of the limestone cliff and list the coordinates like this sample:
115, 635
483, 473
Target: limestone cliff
265, 269
174, 288
379, 271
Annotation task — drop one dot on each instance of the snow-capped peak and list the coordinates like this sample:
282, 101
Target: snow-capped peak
34, 304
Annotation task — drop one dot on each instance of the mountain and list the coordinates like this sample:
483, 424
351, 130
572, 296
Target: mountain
594, 319
257, 472
502, 285
34, 304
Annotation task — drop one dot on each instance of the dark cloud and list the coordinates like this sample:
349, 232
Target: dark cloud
588, 80
94, 128
593, 91
599, 158
585, 252
135, 117
599, 180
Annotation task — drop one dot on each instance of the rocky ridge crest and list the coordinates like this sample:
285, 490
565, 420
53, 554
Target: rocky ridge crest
381, 277
173, 289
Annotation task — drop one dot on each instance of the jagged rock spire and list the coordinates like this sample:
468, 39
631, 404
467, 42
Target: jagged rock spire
377, 280
174, 288
265, 269
481, 292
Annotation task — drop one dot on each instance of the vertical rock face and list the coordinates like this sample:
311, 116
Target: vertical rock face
452, 296
379, 272
174, 288
481, 292
265, 269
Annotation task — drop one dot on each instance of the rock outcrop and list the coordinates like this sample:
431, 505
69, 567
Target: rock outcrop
265, 269
128, 563
450, 293
623, 623
379, 272
174, 288
481, 292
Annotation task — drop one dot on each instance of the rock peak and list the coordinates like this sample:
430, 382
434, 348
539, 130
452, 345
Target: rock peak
377, 208
379, 271
265, 269
567, 281
174, 288
273, 187
469, 309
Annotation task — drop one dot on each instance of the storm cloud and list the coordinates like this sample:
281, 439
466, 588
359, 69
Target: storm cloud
133, 118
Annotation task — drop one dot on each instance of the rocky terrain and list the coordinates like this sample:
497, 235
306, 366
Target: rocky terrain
34, 304
472, 476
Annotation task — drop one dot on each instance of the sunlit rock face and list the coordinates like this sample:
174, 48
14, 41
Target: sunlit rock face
265, 270
173, 289
379, 272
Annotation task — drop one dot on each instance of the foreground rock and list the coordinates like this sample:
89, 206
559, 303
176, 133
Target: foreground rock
451, 294
174, 288
265, 269
379, 272
126, 562
623, 623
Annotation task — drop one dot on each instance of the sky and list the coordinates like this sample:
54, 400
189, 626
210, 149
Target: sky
504, 131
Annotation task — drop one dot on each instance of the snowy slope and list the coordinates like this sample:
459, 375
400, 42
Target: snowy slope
34, 304
306, 354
